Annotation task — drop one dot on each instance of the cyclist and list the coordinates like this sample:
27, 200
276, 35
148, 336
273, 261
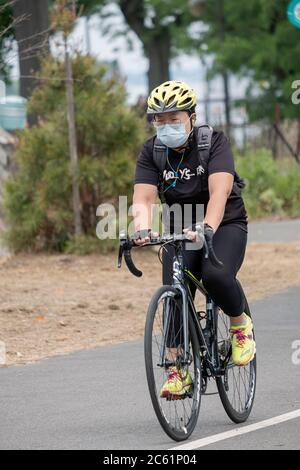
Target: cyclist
172, 106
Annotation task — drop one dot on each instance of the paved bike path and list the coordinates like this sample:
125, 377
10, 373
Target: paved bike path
98, 399
274, 231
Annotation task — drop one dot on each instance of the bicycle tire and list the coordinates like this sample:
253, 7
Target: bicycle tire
175, 434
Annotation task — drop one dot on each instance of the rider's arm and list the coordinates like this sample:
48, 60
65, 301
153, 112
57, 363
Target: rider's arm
220, 186
144, 197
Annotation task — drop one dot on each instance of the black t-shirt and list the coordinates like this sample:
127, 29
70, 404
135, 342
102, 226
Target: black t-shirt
188, 185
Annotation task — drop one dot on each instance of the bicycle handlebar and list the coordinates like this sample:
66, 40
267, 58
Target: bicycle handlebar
127, 243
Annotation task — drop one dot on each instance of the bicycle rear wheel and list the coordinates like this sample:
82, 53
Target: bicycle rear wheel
163, 330
237, 387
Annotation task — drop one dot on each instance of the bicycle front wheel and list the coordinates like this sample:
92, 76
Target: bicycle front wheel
164, 333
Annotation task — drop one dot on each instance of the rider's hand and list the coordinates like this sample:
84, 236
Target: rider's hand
193, 234
143, 236
208, 233
190, 234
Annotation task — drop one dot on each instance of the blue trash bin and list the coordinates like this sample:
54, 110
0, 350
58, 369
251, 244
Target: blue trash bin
13, 113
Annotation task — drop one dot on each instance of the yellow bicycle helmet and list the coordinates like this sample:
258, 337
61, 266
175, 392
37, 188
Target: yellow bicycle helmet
170, 96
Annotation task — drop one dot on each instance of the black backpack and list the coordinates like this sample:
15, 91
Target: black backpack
203, 138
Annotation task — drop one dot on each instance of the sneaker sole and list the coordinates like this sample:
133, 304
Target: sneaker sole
176, 395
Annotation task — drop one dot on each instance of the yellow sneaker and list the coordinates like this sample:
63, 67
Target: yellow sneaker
243, 344
178, 383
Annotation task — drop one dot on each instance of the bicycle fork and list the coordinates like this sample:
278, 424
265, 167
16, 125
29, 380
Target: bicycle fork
178, 277
167, 312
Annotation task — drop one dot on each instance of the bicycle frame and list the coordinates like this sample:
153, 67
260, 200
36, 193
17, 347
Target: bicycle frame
206, 336
181, 275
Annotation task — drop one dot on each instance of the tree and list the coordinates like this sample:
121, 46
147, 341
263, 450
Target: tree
162, 27
7, 32
38, 199
32, 35
261, 44
64, 17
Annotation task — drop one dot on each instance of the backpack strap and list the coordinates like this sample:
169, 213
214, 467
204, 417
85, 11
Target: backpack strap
203, 138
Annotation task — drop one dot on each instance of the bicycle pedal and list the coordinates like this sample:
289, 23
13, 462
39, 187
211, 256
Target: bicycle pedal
175, 397
179, 397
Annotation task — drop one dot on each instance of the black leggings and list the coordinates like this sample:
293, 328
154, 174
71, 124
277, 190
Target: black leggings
229, 243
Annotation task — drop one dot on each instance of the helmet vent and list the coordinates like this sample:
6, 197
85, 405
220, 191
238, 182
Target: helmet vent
170, 100
186, 101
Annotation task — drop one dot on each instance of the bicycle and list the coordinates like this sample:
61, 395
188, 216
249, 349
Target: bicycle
201, 339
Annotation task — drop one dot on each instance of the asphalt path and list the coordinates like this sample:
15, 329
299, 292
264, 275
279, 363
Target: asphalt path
280, 231
98, 399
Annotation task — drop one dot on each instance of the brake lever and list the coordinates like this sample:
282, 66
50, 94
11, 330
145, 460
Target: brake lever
125, 247
123, 239
120, 256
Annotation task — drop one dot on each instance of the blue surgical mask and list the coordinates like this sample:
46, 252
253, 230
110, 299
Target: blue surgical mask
172, 135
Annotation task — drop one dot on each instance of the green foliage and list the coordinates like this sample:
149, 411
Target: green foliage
272, 187
109, 134
259, 42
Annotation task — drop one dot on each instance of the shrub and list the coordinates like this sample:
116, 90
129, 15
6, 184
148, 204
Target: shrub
109, 134
272, 186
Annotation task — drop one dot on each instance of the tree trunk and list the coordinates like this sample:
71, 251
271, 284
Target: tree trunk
32, 37
157, 47
158, 51
72, 144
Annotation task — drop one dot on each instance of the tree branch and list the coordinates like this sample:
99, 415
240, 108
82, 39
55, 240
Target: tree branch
14, 23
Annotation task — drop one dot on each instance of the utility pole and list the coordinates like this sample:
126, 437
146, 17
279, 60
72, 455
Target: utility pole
72, 136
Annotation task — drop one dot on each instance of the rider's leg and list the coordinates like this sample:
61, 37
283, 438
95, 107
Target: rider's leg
229, 244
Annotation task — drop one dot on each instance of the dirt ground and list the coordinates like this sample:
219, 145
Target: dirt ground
55, 304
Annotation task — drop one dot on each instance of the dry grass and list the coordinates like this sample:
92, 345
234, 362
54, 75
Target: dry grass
56, 304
